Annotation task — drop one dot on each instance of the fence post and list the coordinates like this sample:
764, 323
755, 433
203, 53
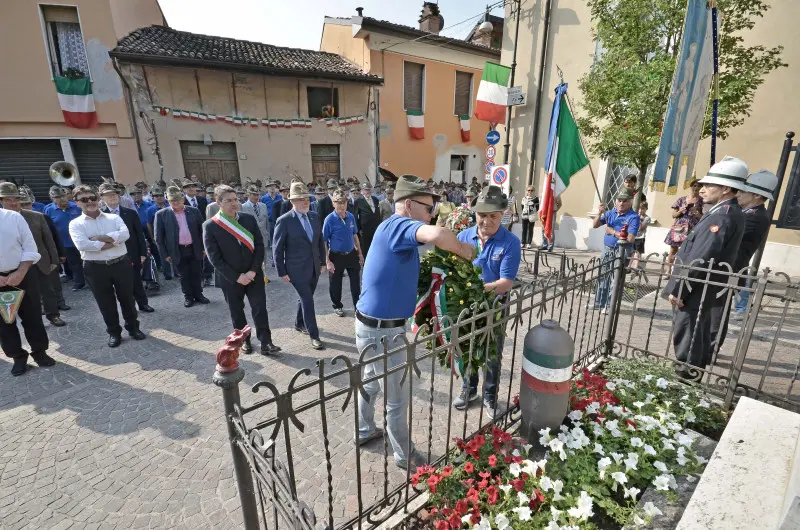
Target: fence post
227, 376
610, 328
748, 326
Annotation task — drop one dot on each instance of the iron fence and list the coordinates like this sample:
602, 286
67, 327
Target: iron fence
297, 461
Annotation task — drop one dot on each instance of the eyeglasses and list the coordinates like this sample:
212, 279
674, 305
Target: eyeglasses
84, 200
428, 207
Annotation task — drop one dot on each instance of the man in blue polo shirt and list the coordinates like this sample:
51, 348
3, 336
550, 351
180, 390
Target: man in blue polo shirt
499, 254
388, 297
272, 197
342, 251
62, 211
614, 220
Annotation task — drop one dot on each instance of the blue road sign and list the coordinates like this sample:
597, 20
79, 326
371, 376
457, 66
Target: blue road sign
492, 137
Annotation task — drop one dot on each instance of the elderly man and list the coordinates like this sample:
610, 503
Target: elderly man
340, 233
253, 206
386, 206
192, 198
499, 254
179, 230
388, 297
100, 237
61, 211
235, 246
299, 252
368, 216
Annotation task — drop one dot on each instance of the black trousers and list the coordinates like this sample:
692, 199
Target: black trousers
366, 239
527, 231
692, 337
50, 291
344, 262
138, 288
306, 315
718, 321
109, 284
30, 313
257, 297
73, 256
191, 270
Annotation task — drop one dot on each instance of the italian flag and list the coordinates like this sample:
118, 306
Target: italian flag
463, 122
492, 100
416, 124
77, 102
565, 157
232, 226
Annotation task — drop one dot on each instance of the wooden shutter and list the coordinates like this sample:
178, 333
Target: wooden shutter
414, 87
463, 94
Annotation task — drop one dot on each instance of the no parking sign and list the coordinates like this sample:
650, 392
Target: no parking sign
501, 176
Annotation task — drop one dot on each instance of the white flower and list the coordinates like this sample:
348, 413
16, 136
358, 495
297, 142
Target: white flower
602, 464
690, 479
700, 459
651, 510
527, 448
541, 463
661, 482
515, 452
690, 417
668, 444
648, 450
598, 448
558, 485
704, 404
557, 446
613, 427
506, 488
544, 436
619, 478
632, 493
584, 509
674, 426
664, 431
545, 483
514, 469
684, 397
564, 429
523, 499
631, 461
638, 521
611, 386
523, 512
598, 430
483, 524
638, 404
647, 378
554, 513
502, 521
681, 458
592, 407
629, 384
637, 442
575, 415
577, 438
553, 525
649, 397
467, 518
683, 439
672, 483
528, 467
661, 466
661, 383
617, 457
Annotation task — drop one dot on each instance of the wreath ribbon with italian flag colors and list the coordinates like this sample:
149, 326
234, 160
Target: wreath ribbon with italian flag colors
232, 226
435, 299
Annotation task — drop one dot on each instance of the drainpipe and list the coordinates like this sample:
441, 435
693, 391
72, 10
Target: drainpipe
539, 90
131, 115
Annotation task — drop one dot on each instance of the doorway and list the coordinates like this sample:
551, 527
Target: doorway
325, 163
213, 164
458, 169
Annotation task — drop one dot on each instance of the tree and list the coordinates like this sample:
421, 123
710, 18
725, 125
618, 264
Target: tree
625, 94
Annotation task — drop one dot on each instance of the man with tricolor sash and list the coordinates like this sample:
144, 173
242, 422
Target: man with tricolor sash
235, 246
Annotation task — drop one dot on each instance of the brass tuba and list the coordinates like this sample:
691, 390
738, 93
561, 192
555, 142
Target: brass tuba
63, 173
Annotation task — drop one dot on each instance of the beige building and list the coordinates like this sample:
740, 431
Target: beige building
227, 110
571, 47
40, 41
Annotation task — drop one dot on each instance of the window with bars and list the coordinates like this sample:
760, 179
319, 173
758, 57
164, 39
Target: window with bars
65, 45
616, 181
413, 86
463, 94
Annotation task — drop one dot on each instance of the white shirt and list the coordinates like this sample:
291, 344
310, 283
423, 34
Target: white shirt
16, 241
192, 201
106, 224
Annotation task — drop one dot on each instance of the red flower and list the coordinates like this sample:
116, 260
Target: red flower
469, 467
536, 500
518, 484
491, 494
454, 521
462, 507
480, 439
475, 517
482, 484
484, 474
473, 495
447, 471
441, 524
468, 482
516, 459
459, 443
414, 479
447, 511
432, 481
631, 424
516, 402
507, 459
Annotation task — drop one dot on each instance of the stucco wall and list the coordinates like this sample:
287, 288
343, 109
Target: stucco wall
129, 15
277, 153
337, 37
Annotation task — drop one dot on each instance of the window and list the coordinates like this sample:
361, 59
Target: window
65, 41
323, 102
463, 97
458, 166
413, 86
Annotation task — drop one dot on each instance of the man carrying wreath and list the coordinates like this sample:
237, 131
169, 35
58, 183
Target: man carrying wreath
235, 247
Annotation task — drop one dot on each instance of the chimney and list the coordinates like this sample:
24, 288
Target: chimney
430, 20
360, 11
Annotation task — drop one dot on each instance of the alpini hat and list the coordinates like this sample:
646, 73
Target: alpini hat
411, 186
338, 196
187, 183
624, 195
174, 193
492, 199
57, 191
298, 190
9, 190
107, 187
253, 190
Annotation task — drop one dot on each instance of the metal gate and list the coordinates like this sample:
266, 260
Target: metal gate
92, 160
28, 162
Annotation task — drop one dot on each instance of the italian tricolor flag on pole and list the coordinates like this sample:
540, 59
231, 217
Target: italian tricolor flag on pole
565, 157
416, 124
77, 102
492, 100
463, 122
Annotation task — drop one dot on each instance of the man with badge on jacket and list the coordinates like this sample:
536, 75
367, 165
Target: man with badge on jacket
234, 244
716, 236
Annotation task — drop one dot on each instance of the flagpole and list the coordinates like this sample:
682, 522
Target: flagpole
591, 171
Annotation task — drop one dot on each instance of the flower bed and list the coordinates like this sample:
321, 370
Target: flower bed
626, 431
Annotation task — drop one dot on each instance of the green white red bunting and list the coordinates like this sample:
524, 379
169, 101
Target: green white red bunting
416, 124
463, 122
77, 102
272, 123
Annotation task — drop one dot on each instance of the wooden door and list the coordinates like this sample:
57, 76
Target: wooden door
230, 171
325, 163
213, 164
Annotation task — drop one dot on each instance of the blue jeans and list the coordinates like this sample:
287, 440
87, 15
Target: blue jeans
491, 375
396, 392
606, 280
740, 302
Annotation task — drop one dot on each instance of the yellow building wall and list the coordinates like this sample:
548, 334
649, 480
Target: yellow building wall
339, 39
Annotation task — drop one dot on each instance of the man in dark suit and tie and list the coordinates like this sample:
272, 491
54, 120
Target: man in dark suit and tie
135, 245
235, 246
351, 202
179, 236
325, 204
282, 207
299, 256
368, 216
192, 198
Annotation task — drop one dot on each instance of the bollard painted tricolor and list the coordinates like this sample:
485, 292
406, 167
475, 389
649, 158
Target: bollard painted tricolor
550, 374
76, 101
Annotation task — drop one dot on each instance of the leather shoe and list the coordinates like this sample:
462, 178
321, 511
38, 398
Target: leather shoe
79, 287
146, 309
247, 347
202, 299
63, 306
20, 365
137, 334
304, 331
42, 359
56, 321
317, 344
114, 341
188, 302
268, 348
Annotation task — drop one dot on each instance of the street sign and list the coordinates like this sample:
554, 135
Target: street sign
490, 152
501, 177
516, 96
489, 165
492, 137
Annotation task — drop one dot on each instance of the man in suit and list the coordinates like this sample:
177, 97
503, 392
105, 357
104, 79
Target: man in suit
299, 255
351, 202
387, 204
45, 269
235, 246
325, 204
253, 206
179, 236
282, 207
368, 216
135, 245
192, 198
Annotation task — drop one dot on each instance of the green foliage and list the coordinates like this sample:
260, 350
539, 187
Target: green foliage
625, 94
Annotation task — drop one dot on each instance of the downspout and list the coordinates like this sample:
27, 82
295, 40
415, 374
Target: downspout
539, 91
131, 115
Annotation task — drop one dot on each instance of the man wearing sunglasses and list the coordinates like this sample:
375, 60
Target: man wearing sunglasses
100, 237
388, 296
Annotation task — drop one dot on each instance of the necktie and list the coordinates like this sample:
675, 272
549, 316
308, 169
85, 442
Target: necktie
307, 227
371, 204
